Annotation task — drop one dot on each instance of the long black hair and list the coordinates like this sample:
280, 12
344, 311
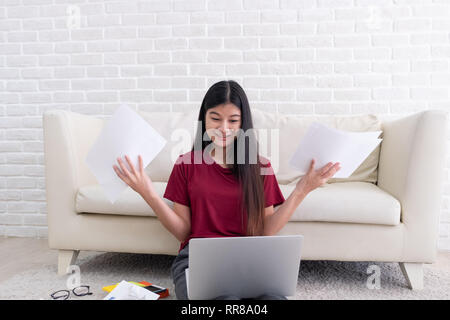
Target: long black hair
247, 171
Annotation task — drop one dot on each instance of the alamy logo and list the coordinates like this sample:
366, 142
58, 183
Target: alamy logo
73, 17
74, 279
265, 139
373, 281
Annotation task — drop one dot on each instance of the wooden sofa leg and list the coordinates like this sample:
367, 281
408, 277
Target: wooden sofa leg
413, 273
65, 259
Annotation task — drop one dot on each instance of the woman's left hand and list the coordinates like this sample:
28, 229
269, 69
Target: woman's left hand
315, 178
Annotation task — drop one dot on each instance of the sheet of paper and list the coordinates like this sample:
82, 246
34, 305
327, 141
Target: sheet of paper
128, 291
126, 133
356, 134
326, 144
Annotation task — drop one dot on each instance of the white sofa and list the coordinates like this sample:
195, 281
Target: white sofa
391, 219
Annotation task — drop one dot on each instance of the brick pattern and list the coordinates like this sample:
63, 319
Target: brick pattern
291, 56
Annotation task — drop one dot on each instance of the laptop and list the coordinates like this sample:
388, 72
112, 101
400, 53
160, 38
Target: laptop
246, 267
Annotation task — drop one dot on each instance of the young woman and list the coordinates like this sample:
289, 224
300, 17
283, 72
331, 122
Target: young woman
222, 187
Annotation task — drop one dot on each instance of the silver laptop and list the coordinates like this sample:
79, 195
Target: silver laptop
246, 267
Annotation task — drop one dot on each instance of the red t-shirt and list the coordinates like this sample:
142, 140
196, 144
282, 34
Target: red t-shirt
213, 195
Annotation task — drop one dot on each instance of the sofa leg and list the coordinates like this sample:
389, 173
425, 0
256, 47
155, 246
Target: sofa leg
65, 259
413, 273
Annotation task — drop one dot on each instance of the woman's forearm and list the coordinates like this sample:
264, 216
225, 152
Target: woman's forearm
169, 219
276, 221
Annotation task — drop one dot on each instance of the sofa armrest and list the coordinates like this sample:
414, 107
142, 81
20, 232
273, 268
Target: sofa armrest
411, 168
60, 173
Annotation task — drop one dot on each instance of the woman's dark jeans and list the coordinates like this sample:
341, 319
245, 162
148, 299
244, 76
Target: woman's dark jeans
178, 268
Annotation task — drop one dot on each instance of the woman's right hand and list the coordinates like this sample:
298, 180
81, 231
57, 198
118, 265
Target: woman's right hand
138, 180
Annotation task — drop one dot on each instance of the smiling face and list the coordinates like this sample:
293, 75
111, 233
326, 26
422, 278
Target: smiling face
222, 123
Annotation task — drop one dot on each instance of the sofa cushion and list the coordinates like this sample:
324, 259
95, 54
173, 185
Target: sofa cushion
291, 130
92, 199
349, 202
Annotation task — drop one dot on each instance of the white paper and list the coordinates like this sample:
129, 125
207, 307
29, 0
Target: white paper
326, 144
364, 135
126, 133
129, 291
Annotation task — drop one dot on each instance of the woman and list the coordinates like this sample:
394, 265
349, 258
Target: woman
222, 187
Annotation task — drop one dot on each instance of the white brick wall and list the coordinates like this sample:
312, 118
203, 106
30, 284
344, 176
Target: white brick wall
291, 56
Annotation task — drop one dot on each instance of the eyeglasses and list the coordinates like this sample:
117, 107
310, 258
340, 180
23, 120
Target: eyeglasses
64, 294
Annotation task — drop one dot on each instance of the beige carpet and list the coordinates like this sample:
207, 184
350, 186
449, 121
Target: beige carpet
317, 279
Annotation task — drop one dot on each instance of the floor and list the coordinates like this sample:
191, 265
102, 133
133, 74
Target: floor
21, 254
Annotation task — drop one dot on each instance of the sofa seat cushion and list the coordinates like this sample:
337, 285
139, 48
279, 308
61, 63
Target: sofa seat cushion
348, 202
92, 199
